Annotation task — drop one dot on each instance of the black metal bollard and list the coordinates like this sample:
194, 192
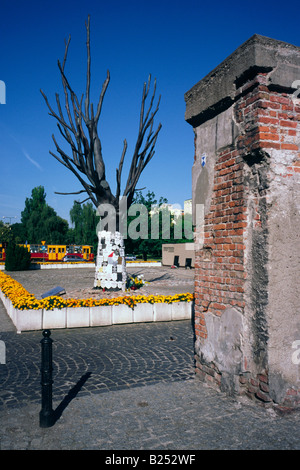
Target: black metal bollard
46, 413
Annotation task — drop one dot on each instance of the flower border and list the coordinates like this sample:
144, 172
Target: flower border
21, 299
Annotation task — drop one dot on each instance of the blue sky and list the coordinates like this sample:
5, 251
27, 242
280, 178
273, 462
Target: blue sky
177, 41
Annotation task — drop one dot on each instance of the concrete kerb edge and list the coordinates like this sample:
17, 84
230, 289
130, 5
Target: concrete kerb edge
87, 265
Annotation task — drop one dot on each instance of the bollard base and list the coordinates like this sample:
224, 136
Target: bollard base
47, 419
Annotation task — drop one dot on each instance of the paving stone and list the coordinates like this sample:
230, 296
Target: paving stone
127, 387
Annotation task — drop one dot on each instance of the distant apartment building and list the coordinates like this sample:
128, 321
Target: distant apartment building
180, 254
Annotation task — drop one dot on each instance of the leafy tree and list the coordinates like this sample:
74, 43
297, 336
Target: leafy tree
17, 257
77, 221
6, 234
90, 221
85, 220
55, 228
145, 245
40, 221
169, 228
19, 233
36, 202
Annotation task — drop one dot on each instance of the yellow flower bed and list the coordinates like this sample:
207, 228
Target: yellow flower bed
23, 300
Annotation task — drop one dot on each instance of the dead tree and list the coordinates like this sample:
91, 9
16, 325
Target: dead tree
80, 131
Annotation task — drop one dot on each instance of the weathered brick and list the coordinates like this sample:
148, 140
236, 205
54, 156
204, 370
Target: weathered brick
254, 382
263, 396
263, 378
289, 146
264, 387
288, 123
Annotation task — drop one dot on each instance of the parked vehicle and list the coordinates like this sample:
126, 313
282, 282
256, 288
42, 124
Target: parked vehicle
53, 253
70, 258
130, 257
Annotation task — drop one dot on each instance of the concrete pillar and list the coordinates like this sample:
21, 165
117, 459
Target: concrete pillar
246, 120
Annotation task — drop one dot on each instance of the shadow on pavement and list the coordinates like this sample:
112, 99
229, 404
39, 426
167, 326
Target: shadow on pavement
69, 397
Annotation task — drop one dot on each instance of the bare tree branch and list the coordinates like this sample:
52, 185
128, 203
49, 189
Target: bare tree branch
81, 202
104, 88
140, 158
76, 192
119, 170
88, 77
79, 130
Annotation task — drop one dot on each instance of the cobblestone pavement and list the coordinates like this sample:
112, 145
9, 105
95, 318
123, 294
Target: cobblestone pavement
126, 387
116, 358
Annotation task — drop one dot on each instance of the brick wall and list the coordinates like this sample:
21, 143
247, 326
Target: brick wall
219, 278
243, 173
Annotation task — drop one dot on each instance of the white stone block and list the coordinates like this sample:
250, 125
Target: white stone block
78, 317
56, 318
162, 312
143, 312
6, 303
181, 310
12, 311
27, 320
101, 316
122, 314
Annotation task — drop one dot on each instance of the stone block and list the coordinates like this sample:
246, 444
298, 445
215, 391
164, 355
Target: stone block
181, 310
12, 312
101, 316
122, 314
143, 312
78, 317
162, 312
56, 318
217, 90
27, 320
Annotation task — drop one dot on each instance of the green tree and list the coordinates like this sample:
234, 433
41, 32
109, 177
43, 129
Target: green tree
17, 257
85, 220
40, 221
36, 202
54, 227
145, 245
6, 233
168, 229
76, 219
90, 221
19, 233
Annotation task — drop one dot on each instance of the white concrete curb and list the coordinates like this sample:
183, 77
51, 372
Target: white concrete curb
82, 317
86, 265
